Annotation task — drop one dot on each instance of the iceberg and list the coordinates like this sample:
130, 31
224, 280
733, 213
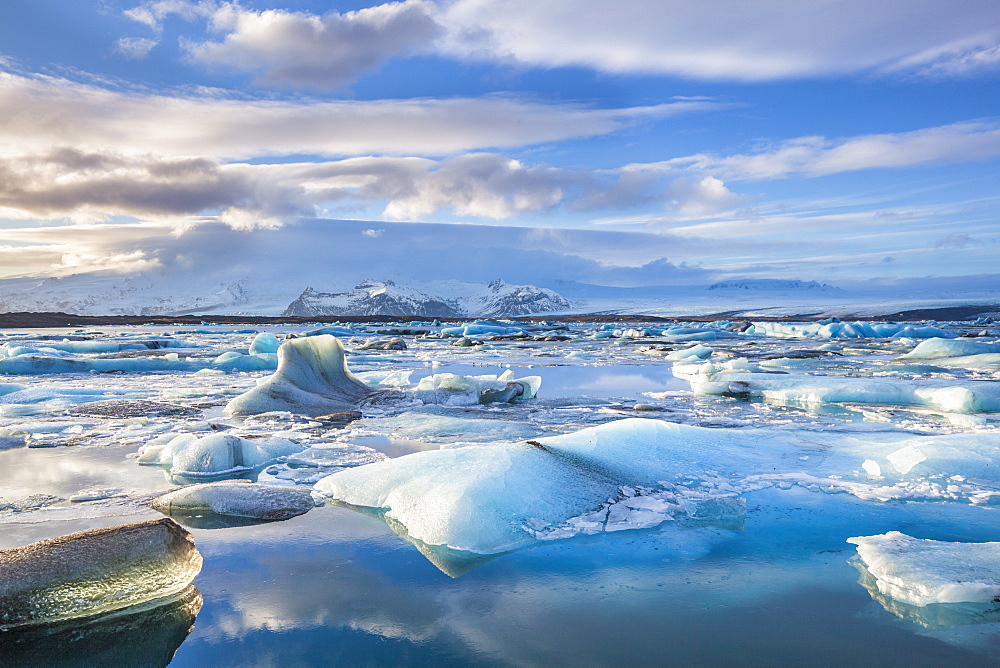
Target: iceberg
845, 330
312, 379
189, 456
448, 389
95, 571
638, 472
501, 497
738, 378
238, 498
921, 572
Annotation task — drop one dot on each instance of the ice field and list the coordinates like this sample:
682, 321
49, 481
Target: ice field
506, 493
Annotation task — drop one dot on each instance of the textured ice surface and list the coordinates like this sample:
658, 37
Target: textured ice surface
312, 379
453, 390
921, 572
424, 426
732, 379
845, 330
95, 571
188, 455
498, 497
239, 498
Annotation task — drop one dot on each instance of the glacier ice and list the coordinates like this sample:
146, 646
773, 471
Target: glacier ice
239, 498
921, 572
264, 342
845, 330
94, 571
490, 499
739, 378
449, 389
312, 379
502, 496
190, 456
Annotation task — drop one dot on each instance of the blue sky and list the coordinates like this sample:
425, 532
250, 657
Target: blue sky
827, 140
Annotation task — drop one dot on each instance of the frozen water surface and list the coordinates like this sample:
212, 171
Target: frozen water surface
725, 545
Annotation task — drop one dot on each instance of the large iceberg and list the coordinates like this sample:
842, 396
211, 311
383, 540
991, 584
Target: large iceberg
638, 472
312, 379
495, 498
921, 572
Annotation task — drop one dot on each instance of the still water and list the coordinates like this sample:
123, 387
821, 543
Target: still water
338, 587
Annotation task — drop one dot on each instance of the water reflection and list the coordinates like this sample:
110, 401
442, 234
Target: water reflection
145, 635
934, 616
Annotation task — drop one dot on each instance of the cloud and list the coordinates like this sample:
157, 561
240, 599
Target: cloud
135, 48
725, 39
820, 156
698, 198
42, 112
88, 187
957, 241
299, 49
94, 186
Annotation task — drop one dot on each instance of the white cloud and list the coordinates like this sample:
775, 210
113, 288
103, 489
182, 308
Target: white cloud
819, 156
722, 39
135, 48
299, 49
699, 198
41, 112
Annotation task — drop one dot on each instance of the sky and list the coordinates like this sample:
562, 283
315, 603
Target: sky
640, 141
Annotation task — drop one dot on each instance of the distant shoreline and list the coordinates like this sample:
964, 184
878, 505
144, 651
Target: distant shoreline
57, 319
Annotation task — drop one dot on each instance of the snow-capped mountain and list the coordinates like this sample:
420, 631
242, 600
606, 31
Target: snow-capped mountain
498, 299
102, 293
772, 284
371, 298
501, 299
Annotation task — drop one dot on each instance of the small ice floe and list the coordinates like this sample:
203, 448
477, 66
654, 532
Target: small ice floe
312, 379
186, 455
95, 571
961, 353
389, 344
237, 498
448, 389
129, 408
935, 584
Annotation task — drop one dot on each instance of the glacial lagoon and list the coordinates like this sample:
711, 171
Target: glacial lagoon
737, 557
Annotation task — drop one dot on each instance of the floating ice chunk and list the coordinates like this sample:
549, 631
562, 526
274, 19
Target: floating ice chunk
188, 455
264, 342
904, 459
312, 379
504, 496
448, 389
921, 572
845, 330
697, 352
872, 468
444, 428
239, 498
335, 455
95, 571
481, 327
13, 438
937, 348
959, 396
